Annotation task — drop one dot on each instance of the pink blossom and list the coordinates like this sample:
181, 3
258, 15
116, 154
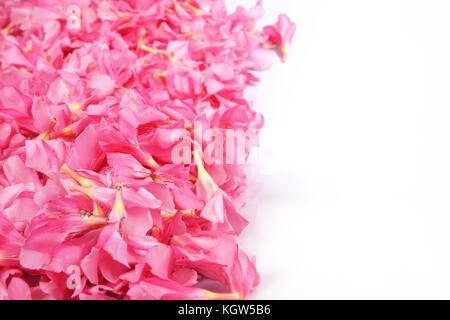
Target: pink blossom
18, 289
93, 104
281, 33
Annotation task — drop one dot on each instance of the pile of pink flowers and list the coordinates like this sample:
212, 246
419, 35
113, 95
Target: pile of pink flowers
92, 206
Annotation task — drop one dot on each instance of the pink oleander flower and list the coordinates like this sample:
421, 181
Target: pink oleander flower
95, 100
281, 33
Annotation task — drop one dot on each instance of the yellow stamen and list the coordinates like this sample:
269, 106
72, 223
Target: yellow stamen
47, 134
119, 207
176, 5
170, 215
141, 45
87, 191
76, 106
6, 30
182, 35
192, 178
87, 186
150, 50
172, 55
194, 37
151, 163
161, 75
194, 9
269, 46
117, 12
66, 132
189, 127
188, 212
223, 296
83, 181
284, 52
95, 220
203, 175
141, 41
97, 211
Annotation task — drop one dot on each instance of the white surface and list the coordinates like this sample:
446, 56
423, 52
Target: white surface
358, 122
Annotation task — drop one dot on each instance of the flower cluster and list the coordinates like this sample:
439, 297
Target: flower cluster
91, 92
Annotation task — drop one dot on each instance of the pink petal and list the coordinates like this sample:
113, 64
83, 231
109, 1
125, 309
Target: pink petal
19, 290
102, 85
159, 258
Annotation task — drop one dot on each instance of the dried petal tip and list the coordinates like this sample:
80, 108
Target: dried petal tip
155, 232
85, 213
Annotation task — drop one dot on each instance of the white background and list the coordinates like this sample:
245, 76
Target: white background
353, 198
